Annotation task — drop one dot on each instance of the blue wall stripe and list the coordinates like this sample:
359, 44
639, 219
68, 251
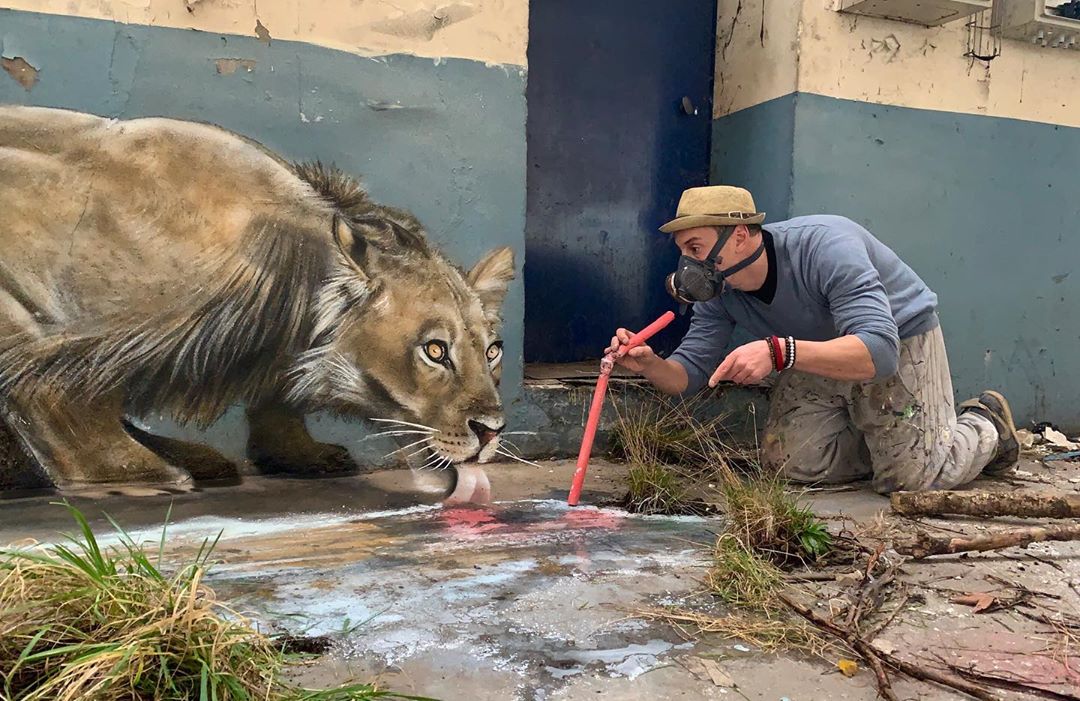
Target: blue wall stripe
984, 208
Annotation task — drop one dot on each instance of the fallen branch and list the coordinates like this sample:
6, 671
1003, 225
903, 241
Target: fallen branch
874, 657
810, 577
1024, 504
1012, 684
925, 545
874, 632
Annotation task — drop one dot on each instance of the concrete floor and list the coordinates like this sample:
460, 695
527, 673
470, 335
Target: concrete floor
529, 599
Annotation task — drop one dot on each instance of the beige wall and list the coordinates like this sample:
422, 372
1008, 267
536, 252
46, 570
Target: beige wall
751, 70
887, 62
492, 31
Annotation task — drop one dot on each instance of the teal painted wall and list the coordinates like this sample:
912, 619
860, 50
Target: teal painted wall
443, 139
985, 209
754, 148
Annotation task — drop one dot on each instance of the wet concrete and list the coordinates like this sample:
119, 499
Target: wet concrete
530, 591
528, 599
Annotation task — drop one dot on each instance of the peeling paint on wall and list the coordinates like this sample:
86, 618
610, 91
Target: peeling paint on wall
262, 32
228, 66
757, 47
490, 31
21, 71
424, 24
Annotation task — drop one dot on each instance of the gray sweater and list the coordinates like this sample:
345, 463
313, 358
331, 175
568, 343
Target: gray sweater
833, 279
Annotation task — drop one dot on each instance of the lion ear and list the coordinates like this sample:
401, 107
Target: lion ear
363, 241
490, 277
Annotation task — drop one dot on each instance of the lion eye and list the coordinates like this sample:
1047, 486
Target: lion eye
437, 351
494, 351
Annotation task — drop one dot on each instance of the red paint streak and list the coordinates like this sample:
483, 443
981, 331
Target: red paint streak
472, 523
593, 519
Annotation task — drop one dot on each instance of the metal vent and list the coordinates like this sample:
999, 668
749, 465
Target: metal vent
929, 13
1046, 23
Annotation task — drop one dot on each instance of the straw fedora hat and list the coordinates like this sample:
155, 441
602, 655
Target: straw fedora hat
716, 205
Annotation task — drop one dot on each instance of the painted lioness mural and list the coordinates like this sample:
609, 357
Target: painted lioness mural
156, 266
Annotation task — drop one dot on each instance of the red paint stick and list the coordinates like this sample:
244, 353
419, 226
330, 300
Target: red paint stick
606, 366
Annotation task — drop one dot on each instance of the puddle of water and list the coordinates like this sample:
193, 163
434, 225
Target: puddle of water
630, 661
532, 588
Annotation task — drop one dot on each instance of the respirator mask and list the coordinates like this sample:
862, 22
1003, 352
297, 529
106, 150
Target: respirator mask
698, 280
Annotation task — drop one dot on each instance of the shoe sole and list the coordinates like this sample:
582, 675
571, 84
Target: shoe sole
1010, 424
1006, 410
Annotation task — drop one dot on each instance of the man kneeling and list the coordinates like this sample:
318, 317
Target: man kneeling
864, 386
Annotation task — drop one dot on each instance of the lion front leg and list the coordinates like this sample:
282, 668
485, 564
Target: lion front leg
279, 443
78, 444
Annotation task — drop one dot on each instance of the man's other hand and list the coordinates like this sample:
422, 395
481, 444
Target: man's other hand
637, 358
746, 365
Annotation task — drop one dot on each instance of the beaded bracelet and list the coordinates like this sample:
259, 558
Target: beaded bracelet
775, 352
790, 357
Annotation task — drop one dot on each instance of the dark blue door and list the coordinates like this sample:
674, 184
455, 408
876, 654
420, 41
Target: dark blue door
611, 144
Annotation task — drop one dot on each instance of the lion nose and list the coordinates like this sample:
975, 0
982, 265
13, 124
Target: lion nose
485, 433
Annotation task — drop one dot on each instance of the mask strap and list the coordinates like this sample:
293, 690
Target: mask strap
710, 260
745, 262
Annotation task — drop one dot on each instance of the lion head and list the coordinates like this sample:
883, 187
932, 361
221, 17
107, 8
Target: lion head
403, 336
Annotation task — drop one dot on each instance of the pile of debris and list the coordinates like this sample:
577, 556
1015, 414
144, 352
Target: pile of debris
1047, 443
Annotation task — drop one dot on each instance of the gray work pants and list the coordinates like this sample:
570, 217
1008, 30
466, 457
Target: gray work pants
903, 431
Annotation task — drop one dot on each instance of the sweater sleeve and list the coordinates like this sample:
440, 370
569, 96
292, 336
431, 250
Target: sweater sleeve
701, 347
857, 299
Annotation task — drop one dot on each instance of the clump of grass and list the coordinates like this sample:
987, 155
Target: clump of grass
671, 451
79, 621
668, 431
672, 454
740, 576
766, 518
769, 632
654, 488
766, 527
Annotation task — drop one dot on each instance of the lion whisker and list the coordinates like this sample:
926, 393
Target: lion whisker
425, 439
432, 461
510, 444
515, 457
406, 423
419, 450
400, 432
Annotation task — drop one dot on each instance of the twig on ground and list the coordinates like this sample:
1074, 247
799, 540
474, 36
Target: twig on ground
1037, 558
1011, 684
1023, 589
874, 632
1064, 621
810, 577
1025, 504
925, 545
870, 653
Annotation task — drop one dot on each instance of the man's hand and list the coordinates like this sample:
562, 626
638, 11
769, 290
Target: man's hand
746, 365
637, 358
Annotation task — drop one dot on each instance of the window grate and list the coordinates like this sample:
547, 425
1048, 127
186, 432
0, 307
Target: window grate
983, 37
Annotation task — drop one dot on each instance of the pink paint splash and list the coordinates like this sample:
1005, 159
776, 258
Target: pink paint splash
475, 522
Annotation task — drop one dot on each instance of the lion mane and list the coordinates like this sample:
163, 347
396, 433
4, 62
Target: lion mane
235, 333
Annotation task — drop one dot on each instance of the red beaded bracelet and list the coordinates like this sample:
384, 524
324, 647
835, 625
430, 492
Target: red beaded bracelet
777, 353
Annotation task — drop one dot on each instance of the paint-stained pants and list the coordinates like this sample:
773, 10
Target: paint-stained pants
903, 431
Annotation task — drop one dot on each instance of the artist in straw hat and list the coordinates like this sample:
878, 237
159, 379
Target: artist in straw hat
864, 386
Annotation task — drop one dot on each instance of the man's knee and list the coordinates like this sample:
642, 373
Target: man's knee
831, 461
903, 476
